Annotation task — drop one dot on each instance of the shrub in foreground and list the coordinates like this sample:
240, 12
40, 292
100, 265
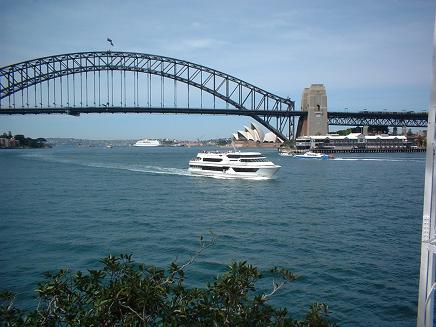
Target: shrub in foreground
124, 293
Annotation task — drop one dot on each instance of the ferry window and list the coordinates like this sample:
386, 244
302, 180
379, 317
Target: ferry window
254, 160
213, 159
243, 156
246, 170
214, 168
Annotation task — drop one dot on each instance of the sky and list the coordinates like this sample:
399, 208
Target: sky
372, 54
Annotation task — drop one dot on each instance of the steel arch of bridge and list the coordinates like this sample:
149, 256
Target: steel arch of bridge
17, 79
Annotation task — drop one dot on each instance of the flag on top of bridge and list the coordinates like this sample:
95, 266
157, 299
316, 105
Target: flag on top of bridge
110, 41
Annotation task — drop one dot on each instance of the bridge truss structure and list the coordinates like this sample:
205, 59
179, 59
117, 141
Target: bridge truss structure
108, 81
371, 118
128, 82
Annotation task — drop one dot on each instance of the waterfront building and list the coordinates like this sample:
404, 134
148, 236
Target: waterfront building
352, 141
4, 142
9, 143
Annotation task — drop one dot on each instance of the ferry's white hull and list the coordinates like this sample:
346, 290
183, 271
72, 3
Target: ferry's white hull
148, 145
264, 173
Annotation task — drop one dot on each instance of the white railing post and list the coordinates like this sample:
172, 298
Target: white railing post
427, 280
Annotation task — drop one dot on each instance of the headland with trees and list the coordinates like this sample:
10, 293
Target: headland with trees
19, 141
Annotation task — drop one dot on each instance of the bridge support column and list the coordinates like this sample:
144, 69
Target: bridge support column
314, 101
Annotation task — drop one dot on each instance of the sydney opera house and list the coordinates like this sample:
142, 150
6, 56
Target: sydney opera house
253, 136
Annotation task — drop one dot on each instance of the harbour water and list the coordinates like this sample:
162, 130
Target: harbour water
350, 227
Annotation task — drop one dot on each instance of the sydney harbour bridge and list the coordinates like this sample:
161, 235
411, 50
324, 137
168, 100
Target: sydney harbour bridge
127, 82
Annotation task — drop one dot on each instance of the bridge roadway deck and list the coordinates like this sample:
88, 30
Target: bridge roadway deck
208, 111
410, 119
75, 111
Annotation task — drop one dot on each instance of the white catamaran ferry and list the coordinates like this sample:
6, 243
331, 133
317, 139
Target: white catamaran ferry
233, 164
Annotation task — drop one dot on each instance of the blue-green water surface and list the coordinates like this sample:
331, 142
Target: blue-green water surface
350, 227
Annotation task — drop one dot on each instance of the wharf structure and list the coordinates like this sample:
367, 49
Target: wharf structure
356, 142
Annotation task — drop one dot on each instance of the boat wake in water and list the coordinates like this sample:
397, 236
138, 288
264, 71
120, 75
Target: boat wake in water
148, 169
138, 168
143, 169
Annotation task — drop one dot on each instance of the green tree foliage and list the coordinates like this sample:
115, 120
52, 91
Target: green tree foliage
124, 293
344, 132
288, 144
20, 138
6, 136
223, 142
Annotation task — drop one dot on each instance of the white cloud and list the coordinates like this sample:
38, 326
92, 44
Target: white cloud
196, 25
203, 43
192, 44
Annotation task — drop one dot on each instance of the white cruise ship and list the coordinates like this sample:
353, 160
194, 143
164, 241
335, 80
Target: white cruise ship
233, 164
147, 142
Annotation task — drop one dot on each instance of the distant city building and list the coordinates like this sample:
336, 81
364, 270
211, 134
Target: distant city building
314, 101
4, 142
9, 143
351, 142
254, 136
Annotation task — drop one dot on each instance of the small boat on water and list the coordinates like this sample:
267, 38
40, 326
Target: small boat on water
147, 142
312, 155
286, 154
233, 164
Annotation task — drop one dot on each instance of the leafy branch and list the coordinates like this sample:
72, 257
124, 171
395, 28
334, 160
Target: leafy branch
125, 293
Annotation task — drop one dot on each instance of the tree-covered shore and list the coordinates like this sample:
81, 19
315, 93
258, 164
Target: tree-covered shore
19, 141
